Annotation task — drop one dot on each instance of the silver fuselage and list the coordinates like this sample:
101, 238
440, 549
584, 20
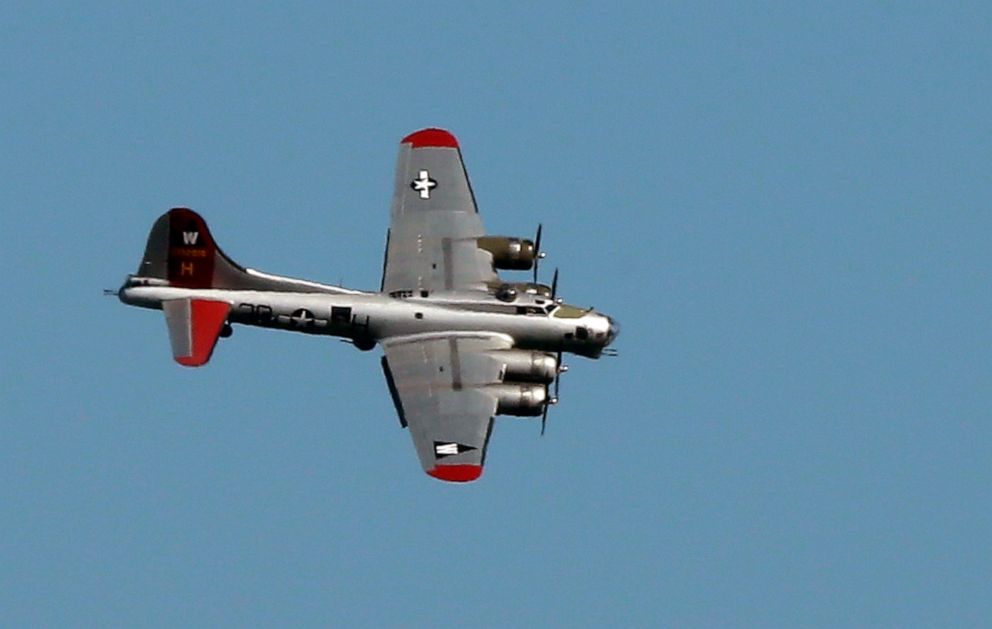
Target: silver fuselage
366, 318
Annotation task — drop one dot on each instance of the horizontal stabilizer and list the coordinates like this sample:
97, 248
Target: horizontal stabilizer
194, 325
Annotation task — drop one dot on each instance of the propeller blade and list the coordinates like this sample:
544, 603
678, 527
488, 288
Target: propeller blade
554, 286
552, 399
537, 249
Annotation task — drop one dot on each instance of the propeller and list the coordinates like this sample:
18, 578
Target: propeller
554, 398
538, 254
554, 285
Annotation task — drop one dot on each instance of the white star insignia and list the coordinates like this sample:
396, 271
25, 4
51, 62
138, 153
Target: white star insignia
423, 184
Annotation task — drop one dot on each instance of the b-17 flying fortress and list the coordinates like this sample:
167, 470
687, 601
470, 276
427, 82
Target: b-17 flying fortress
461, 345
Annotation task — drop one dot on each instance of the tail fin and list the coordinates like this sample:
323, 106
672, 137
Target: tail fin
181, 250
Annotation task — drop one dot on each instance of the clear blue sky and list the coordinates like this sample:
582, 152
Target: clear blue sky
787, 208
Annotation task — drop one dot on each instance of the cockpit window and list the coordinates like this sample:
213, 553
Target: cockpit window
581, 333
530, 310
569, 312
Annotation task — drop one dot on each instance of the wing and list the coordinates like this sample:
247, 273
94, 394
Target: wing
434, 224
437, 383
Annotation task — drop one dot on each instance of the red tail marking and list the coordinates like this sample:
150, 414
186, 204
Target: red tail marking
191, 250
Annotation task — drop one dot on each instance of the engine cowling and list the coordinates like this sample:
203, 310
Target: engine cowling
515, 254
522, 400
527, 366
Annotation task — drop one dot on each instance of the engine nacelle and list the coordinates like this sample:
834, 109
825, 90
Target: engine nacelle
523, 400
526, 366
515, 254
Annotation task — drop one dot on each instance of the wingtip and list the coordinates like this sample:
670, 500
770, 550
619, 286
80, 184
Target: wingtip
456, 473
191, 361
433, 137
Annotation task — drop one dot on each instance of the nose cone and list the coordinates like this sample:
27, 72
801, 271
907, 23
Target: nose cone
614, 330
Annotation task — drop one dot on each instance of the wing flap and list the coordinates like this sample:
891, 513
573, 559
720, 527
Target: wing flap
194, 326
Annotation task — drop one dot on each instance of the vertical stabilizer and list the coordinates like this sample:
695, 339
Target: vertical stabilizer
181, 250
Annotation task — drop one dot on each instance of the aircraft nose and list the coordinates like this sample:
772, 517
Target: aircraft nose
614, 330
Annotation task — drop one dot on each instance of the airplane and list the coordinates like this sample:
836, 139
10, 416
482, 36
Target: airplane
461, 345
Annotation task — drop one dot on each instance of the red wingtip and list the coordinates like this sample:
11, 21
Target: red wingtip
431, 137
456, 473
